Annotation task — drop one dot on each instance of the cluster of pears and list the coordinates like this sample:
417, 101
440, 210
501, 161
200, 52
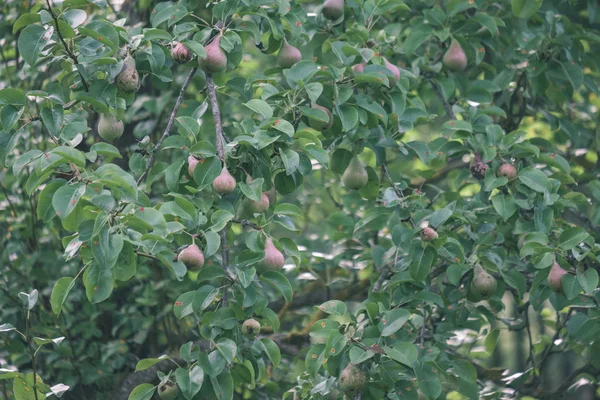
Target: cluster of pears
168, 390
483, 285
455, 58
352, 379
355, 176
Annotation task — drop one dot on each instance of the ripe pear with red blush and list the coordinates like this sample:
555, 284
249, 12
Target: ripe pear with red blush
274, 259
455, 58
393, 69
216, 58
508, 170
192, 163
555, 277
260, 206
224, 183
359, 68
288, 55
192, 257
428, 234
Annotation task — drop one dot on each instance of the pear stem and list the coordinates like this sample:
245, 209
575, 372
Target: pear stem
167, 131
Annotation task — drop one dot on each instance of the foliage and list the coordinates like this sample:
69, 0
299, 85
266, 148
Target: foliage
93, 283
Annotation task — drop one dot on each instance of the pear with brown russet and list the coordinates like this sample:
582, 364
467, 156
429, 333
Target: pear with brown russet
168, 390
128, 79
428, 234
355, 176
288, 55
180, 53
555, 277
251, 328
109, 128
455, 58
216, 58
333, 9
352, 379
274, 259
192, 257
483, 284
224, 183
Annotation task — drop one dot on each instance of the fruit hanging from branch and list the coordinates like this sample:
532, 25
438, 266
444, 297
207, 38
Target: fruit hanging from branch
109, 128
352, 379
168, 390
128, 80
274, 259
355, 176
333, 9
192, 257
251, 328
320, 125
555, 277
216, 58
483, 284
288, 55
180, 53
508, 170
224, 183
455, 58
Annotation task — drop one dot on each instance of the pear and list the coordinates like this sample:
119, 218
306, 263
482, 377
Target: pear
180, 53
351, 379
455, 58
288, 55
355, 176
168, 390
128, 79
393, 69
273, 260
333, 9
224, 183
359, 68
508, 170
478, 168
260, 206
192, 257
428, 234
555, 277
109, 128
216, 58
319, 125
483, 284
272, 195
251, 328
192, 163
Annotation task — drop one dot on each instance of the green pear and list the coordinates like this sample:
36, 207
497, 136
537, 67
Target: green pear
109, 128
251, 328
455, 58
351, 379
483, 284
288, 55
355, 176
168, 390
216, 58
128, 79
333, 9
260, 206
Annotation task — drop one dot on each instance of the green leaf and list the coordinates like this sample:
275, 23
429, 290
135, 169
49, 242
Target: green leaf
271, 350
253, 191
289, 210
23, 388
70, 154
7, 328
148, 362
220, 218
505, 205
334, 307
392, 321
439, 217
570, 286
260, 107
428, 378
403, 352
31, 41
335, 344
145, 391
189, 381
340, 159
98, 282
571, 238
65, 199
588, 280
60, 292
26, 20
491, 340
279, 282
358, 355
422, 259
12, 96
106, 248
223, 386
525, 8
227, 348
534, 179
206, 171
106, 149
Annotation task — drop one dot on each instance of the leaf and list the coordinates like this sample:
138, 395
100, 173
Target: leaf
429, 380
31, 41
439, 217
99, 283
148, 362
65, 199
334, 307
392, 321
534, 179
491, 340
206, 171
223, 386
403, 352
571, 237
279, 282
505, 205
588, 280
60, 292
145, 391
227, 348
45, 209
219, 219
189, 381
289, 210
260, 107
525, 8
7, 328
422, 259
272, 350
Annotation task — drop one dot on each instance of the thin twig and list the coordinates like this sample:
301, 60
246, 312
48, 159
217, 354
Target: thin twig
247, 224
69, 52
385, 273
528, 328
12, 206
440, 96
167, 131
422, 334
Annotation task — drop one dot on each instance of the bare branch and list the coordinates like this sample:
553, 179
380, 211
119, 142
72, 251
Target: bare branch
167, 131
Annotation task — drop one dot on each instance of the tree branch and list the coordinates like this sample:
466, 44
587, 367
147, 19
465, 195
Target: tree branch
247, 224
440, 96
167, 131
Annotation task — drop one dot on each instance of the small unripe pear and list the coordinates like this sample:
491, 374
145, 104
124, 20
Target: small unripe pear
224, 183
272, 195
455, 58
359, 68
274, 259
128, 79
180, 53
260, 206
192, 163
393, 69
216, 58
333, 9
351, 379
319, 125
555, 277
483, 284
192, 257
355, 176
428, 234
168, 390
109, 128
507, 170
251, 328
288, 55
